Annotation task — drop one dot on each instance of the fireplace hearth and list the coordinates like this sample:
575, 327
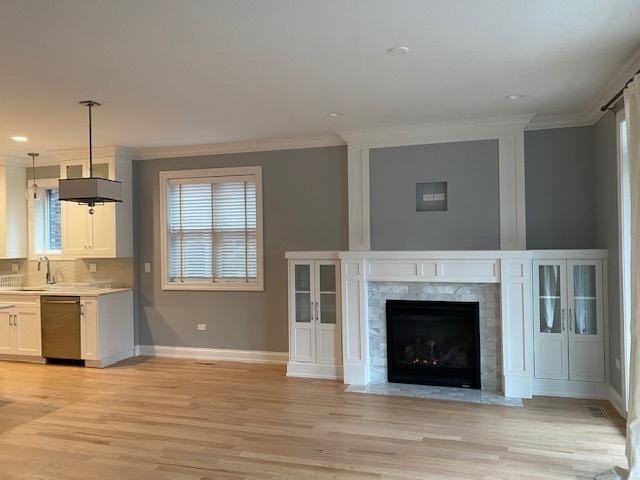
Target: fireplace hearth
433, 343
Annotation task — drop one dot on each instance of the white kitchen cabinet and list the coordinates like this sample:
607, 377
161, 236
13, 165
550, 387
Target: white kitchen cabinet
20, 332
13, 211
315, 347
106, 328
108, 233
569, 321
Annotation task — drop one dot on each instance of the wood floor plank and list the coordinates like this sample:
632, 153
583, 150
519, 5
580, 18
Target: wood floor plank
153, 418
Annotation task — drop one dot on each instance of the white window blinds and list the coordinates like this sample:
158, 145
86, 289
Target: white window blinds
212, 226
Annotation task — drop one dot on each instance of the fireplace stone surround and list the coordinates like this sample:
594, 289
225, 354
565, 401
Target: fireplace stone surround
487, 296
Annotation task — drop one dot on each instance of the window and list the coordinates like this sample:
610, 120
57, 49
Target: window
212, 229
44, 221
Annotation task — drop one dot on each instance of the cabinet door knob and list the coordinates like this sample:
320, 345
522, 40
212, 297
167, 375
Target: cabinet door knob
564, 319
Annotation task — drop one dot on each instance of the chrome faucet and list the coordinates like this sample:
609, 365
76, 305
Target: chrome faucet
49, 277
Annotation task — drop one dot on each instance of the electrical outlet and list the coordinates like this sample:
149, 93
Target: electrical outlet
201, 327
618, 363
15, 268
147, 267
93, 267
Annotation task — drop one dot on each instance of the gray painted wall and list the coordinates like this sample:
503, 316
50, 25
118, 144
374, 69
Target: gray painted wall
560, 178
605, 150
472, 221
304, 208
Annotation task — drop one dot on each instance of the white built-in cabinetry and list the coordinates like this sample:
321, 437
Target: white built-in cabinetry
569, 322
13, 211
553, 313
315, 348
108, 233
20, 332
106, 327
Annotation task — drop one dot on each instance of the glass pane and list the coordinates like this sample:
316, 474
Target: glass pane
550, 315
327, 278
101, 170
303, 307
585, 317
584, 281
328, 308
303, 278
549, 280
74, 171
53, 219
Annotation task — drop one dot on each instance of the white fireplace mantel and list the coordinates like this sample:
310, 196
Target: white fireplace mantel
512, 269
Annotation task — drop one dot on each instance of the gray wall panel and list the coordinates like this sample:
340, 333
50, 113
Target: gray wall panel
472, 221
560, 180
304, 208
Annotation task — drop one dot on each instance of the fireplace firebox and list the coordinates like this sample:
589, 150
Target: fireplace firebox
433, 343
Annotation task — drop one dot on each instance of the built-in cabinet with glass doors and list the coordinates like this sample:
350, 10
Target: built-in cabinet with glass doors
569, 320
314, 317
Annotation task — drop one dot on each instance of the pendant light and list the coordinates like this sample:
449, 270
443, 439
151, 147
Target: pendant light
33, 192
92, 190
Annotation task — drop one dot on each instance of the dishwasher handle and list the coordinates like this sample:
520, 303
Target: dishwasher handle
61, 302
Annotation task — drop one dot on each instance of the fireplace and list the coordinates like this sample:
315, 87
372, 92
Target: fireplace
433, 343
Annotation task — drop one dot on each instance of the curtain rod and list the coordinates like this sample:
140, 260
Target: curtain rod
615, 98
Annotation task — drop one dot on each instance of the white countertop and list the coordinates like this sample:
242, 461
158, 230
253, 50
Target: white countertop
63, 291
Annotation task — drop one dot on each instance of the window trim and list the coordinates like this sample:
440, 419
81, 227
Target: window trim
45, 184
165, 177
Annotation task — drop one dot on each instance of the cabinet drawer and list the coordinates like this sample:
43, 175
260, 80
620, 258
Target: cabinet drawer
22, 300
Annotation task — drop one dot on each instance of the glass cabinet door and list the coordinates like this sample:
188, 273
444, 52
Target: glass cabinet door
584, 309
549, 294
328, 294
303, 293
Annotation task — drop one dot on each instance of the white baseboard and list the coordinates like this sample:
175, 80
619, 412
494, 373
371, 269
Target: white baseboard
114, 357
248, 356
615, 399
312, 370
570, 389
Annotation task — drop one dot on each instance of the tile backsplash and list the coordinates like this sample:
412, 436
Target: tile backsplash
118, 270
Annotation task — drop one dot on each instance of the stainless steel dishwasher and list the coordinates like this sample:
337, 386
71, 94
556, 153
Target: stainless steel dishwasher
60, 327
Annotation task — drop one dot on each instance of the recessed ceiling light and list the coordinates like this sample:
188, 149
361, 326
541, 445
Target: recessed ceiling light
19, 138
334, 114
515, 97
400, 50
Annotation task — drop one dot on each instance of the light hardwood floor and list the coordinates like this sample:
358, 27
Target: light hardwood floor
185, 420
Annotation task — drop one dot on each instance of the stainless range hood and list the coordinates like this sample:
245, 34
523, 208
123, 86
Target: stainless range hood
90, 190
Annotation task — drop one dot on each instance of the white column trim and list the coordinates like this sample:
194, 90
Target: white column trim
509, 131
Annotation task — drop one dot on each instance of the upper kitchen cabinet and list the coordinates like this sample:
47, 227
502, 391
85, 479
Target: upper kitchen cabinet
108, 233
13, 211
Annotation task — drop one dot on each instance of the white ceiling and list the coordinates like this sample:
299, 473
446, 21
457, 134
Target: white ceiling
177, 72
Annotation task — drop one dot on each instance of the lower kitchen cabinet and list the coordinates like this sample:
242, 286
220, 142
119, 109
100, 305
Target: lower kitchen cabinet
106, 328
20, 331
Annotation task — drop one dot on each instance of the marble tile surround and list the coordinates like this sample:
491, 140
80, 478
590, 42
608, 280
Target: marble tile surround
487, 295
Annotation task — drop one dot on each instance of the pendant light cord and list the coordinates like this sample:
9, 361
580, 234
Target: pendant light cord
90, 143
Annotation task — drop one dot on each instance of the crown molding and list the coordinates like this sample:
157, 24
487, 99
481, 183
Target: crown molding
261, 145
546, 122
461, 130
592, 114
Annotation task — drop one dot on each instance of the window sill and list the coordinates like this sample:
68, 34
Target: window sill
214, 287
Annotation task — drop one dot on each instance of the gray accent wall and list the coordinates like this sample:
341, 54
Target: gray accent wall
472, 220
560, 178
304, 208
606, 163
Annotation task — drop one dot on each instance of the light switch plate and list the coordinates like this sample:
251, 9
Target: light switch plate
147, 267
93, 267
15, 268
201, 327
